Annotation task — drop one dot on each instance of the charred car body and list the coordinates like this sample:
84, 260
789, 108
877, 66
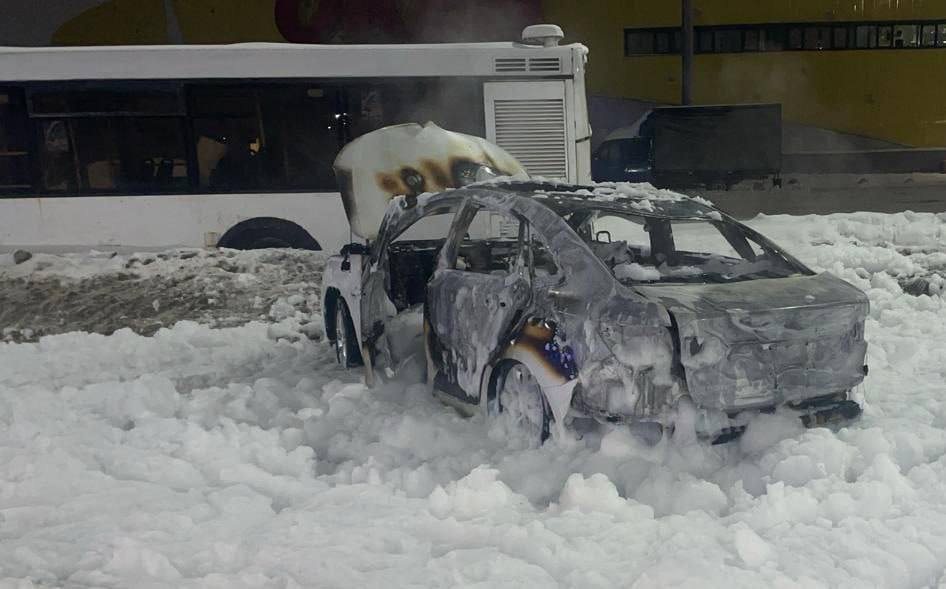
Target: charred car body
620, 302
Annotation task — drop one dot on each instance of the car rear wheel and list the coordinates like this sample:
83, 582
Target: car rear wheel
521, 402
346, 342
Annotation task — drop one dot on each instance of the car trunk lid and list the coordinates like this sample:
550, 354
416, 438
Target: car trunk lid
764, 342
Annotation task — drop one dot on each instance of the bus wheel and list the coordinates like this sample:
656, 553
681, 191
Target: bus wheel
267, 232
267, 242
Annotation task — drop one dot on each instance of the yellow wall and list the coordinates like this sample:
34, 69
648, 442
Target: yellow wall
219, 21
131, 22
896, 95
116, 23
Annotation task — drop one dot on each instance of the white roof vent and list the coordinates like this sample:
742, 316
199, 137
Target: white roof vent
544, 35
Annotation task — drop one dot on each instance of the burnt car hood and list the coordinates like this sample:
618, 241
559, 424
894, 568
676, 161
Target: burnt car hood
764, 342
408, 159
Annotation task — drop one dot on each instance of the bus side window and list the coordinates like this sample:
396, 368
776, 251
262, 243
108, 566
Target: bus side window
228, 136
265, 136
14, 141
304, 126
110, 138
56, 161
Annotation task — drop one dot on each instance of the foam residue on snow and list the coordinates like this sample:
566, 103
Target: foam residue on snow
240, 458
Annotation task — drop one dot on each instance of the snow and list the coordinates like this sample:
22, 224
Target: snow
635, 271
105, 291
639, 195
242, 457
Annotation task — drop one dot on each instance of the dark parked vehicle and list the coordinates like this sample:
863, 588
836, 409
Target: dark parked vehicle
687, 146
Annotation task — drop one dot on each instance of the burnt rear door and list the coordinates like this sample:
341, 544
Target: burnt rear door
480, 293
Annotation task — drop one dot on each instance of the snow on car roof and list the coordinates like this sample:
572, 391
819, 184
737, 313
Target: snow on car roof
620, 197
640, 199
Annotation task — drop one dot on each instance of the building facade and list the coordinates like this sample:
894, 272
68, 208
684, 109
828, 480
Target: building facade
868, 68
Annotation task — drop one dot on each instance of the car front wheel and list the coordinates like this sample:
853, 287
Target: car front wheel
522, 404
346, 342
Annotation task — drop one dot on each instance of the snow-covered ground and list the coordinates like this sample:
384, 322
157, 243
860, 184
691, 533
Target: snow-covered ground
242, 457
105, 291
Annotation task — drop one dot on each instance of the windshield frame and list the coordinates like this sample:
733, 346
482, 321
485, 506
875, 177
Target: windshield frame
662, 249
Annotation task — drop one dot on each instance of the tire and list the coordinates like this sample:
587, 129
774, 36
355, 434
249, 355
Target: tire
268, 232
269, 242
520, 400
347, 350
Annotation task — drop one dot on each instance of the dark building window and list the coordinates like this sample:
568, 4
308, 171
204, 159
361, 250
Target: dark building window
727, 41
885, 36
704, 41
639, 42
789, 37
662, 42
752, 40
774, 38
817, 38
839, 38
866, 37
796, 38
905, 36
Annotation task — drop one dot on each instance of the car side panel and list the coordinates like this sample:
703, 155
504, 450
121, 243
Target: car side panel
469, 314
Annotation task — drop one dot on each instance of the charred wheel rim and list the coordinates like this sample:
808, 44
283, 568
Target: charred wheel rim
522, 402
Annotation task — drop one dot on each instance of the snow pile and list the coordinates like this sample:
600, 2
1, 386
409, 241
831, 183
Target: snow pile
241, 457
105, 291
636, 272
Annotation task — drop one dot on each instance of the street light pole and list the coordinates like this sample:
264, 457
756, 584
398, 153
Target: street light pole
687, 52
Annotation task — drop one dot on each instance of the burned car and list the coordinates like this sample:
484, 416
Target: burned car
619, 302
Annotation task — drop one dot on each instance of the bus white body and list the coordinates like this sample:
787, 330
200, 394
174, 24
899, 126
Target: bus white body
231, 145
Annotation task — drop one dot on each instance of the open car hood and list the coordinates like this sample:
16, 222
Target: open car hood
408, 160
764, 342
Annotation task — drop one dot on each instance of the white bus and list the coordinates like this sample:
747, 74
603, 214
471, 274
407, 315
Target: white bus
232, 145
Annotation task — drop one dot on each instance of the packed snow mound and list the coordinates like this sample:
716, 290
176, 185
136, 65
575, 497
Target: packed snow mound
241, 457
106, 291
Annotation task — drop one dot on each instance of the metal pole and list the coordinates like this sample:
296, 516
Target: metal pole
174, 35
687, 52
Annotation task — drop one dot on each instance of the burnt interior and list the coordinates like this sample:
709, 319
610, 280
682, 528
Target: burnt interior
412, 263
